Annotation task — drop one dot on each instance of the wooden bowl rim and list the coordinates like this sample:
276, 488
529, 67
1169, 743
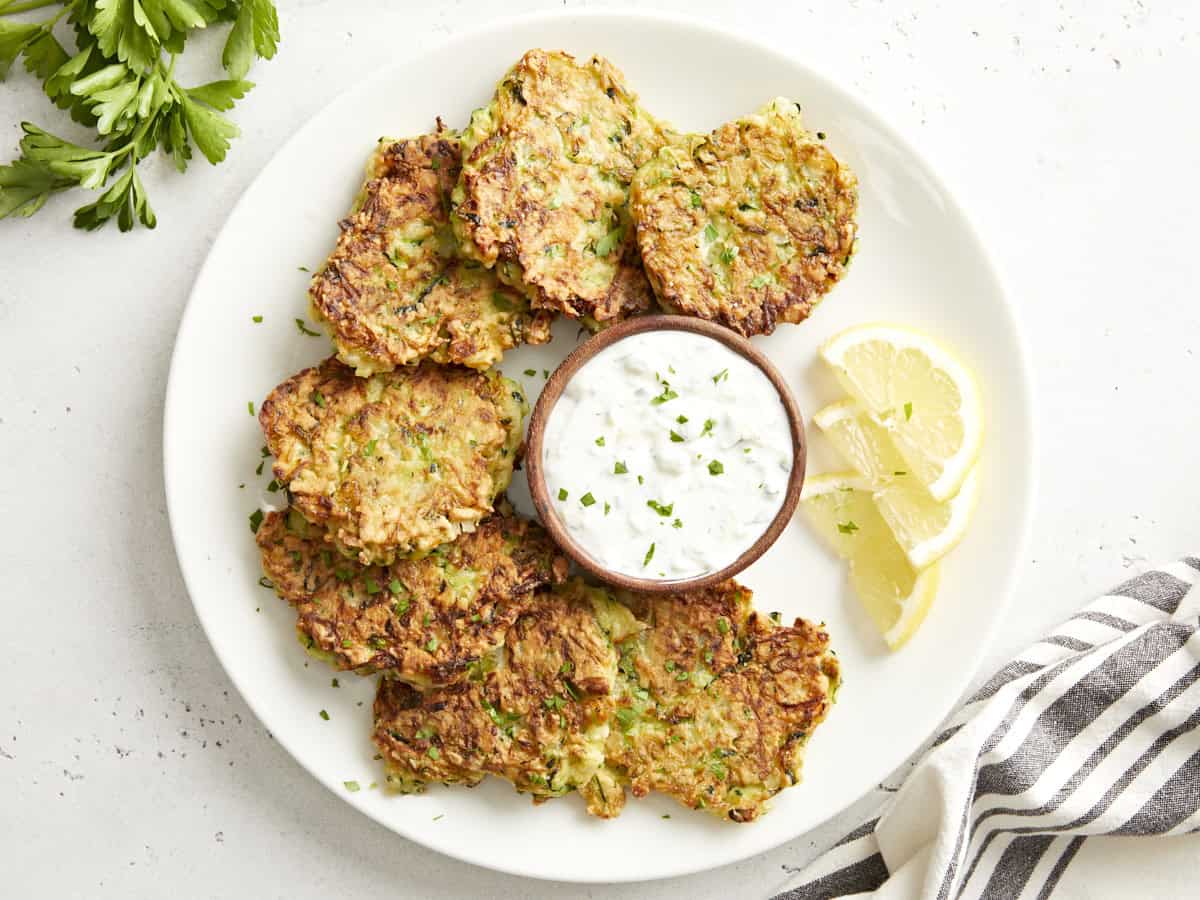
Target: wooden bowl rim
553, 389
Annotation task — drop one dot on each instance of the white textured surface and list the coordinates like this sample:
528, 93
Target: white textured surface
128, 765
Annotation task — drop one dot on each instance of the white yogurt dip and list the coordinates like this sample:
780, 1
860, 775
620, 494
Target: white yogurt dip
667, 455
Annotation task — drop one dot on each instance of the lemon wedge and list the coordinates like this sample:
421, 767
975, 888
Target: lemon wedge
841, 507
920, 393
925, 528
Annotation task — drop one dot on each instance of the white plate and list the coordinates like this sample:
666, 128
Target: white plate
919, 263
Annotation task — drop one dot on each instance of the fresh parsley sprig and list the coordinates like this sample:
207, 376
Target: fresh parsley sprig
120, 81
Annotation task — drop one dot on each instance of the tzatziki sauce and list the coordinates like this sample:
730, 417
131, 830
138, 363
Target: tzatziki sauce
667, 455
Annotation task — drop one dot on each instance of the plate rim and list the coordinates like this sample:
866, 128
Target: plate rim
990, 268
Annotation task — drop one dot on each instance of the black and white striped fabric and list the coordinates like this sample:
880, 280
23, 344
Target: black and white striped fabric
1093, 731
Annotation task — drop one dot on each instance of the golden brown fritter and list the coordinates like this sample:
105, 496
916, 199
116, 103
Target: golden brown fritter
543, 195
397, 463
395, 291
748, 226
714, 704
421, 620
536, 713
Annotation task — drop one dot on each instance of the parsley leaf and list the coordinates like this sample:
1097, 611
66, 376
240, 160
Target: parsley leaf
847, 527
255, 32
661, 509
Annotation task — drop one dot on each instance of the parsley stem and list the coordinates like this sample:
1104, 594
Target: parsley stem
11, 9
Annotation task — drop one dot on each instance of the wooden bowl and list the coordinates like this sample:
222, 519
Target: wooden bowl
553, 390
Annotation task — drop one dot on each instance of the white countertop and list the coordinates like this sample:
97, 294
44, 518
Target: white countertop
129, 766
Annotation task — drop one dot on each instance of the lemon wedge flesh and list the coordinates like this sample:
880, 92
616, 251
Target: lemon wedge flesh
841, 508
916, 390
925, 528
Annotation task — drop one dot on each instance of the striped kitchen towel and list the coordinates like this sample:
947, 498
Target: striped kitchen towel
1094, 730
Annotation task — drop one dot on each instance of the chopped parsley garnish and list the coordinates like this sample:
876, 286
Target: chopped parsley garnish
606, 507
562, 494
352, 786
333, 682
641, 480
709, 425
529, 373
433, 752
256, 319
324, 715
681, 419
501, 302
759, 280
556, 702
676, 437
395, 586
319, 399
667, 394
695, 200
303, 269
723, 375
373, 586
847, 527
715, 467
677, 524
545, 373
600, 441
258, 469
369, 450
432, 644
587, 499
250, 406
343, 574
266, 582
710, 233
256, 518
728, 255
907, 411
899, 472
723, 625
649, 556
425, 734
303, 329
619, 468
626, 718
273, 486
662, 510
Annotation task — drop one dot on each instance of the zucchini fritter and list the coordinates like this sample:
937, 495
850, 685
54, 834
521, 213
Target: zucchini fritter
714, 704
543, 195
536, 713
420, 620
394, 290
397, 463
748, 226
